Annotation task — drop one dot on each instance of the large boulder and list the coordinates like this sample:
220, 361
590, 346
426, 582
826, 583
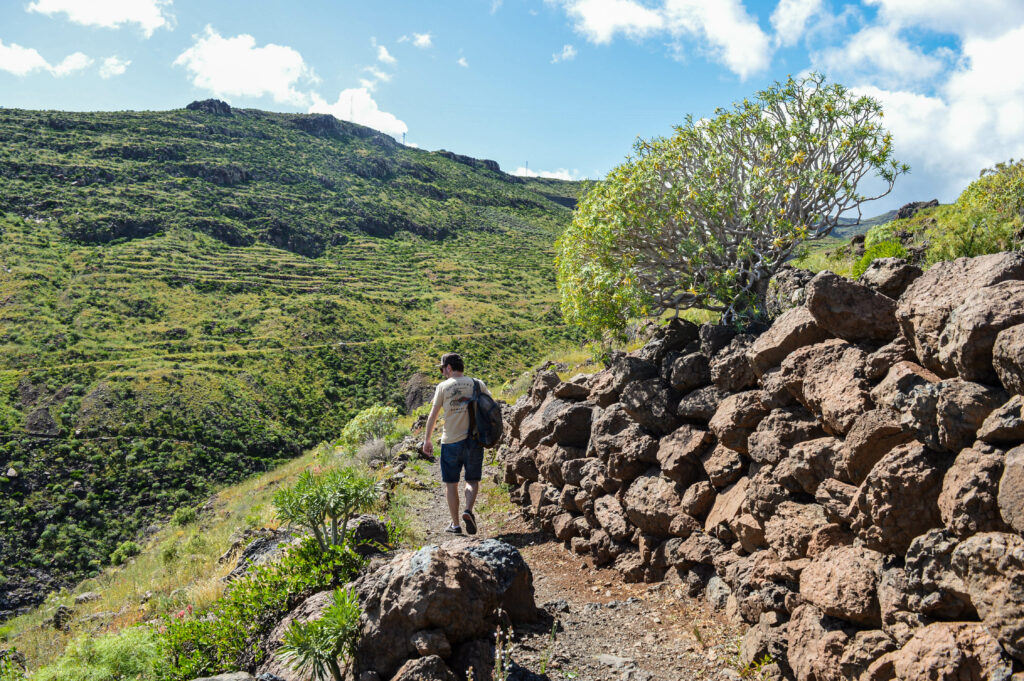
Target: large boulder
816, 642
900, 380
883, 359
736, 418
851, 311
701, 404
679, 453
673, 337
653, 503
828, 378
899, 499
789, 530
890, 276
992, 566
925, 307
651, 404
540, 422
612, 518
947, 415
626, 369
1011, 489
1005, 425
617, 439
794, 329
808, 464
1008, 358
965, 344
873, 435
551, 459
843, 582
780, 430
455, 588
723, 466
968, 500
689, 372
932, 587
944, 651
730, 369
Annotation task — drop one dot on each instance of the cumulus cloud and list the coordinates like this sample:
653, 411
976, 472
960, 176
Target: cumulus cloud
568, 53
560, 174
461, 61
149, 15
384, 56
722, 29
114, 66
358, 106
236, 67
422, 40
981, 18
881, 54
790, 17
22, 61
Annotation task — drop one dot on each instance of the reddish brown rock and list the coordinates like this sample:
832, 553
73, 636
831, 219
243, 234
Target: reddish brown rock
698, 498
965, 344
671, 338
968, 500
728, 506
873, 435
828, 378
574, 392
679, 453
1011, 489
925, 306
651, 404
836, 497
843, 582
723, 466
730, 369
689, 372
899, 499
779, 431
1008, 358
626, 369
617, 440
863, 649
789, 530
901, 379
1005, 425
612, 517
431, 668
815, 644
932, 586
828, 537
794, 329
603, 392
808, 464
652, 502
774, 393
551, 458
736, 418
884, 358
992, 566
850, 310
565, 528
944, 651
890, 276
701, 404
947, 415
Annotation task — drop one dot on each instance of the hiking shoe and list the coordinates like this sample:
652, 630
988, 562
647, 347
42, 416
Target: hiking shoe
469, 521
453, 529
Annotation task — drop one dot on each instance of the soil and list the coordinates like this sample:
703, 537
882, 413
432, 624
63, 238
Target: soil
603, 628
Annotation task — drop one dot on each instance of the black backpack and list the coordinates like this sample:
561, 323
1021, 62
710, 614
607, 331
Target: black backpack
485, 423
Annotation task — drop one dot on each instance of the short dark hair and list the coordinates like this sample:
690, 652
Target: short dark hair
452, 359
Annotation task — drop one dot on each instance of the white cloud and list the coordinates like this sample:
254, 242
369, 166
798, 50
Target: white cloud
568, 53
496, 5
560, 174
148, 14
422, 40
879, 53
356, 105
790, 17
236, 67
722, 28
461, 61
378, 75
113, 66
600, 20
71, 63
384, 56
22, 61
981, 18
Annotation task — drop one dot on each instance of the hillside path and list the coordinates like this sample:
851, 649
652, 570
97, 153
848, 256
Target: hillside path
606, 629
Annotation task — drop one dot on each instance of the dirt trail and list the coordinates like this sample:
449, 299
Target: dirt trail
605, 629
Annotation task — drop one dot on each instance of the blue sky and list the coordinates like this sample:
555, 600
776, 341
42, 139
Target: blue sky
564, 86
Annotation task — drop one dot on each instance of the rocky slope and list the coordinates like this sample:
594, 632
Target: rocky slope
850, 482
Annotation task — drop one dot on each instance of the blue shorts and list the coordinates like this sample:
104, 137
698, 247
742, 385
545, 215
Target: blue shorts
455, 455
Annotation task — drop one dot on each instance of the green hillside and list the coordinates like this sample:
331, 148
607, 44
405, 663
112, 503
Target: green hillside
188, 297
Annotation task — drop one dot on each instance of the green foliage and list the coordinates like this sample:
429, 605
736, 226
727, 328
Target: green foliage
316, 647
324, 503
11, 664
880, 249
135, 653
705, 217
225, 637
374, 423
185, 515
122, 553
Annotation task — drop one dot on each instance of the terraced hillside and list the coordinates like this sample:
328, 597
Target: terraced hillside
168, 324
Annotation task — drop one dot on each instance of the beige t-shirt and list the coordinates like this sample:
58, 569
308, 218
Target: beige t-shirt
448, 395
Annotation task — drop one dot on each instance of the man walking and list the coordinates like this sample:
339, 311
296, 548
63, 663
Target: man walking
459, 449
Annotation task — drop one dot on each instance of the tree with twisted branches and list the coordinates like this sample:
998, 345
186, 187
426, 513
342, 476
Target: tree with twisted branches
704, 218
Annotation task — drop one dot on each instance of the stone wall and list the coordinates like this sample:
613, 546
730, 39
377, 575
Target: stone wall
850, 482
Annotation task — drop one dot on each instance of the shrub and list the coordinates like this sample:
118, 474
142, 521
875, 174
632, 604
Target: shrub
372, 449
374, 423
184, 515
882, 249
316, 647
324, 504
122, 553
135, 653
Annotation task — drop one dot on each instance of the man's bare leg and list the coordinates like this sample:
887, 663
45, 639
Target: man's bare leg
452, 493
471, 491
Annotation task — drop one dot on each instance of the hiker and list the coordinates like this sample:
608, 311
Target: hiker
458, 446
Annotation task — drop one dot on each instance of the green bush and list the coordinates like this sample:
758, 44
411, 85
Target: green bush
185, 515
224, 637
882, 249
324, 503
374, 423
125, 551
136, 653
316, 647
